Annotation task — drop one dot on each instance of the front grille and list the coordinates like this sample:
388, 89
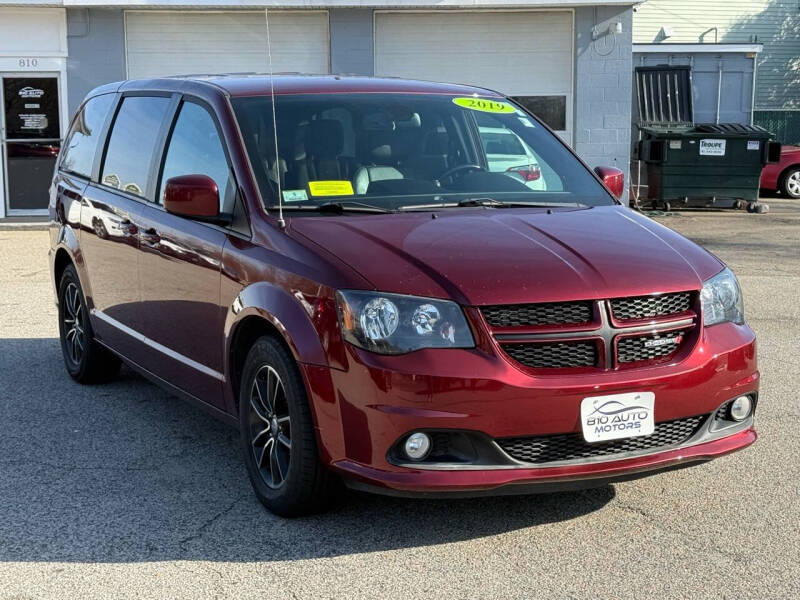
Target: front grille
648, 307
554, 355
572, 446
633, 349
607, 324
548, 313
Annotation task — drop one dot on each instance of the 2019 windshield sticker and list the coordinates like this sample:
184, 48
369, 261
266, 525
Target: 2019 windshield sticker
484, 105
333, 187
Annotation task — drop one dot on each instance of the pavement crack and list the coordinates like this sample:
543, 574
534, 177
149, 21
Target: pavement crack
686, 537
209, 522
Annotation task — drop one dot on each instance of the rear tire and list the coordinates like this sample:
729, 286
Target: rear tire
278, 439
86, 361
790, 183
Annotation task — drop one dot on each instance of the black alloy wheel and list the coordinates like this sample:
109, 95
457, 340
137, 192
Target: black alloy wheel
270, 427
86, 361
278, 437
73, 324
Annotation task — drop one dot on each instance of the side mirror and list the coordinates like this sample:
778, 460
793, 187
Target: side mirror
193, 196
613, 178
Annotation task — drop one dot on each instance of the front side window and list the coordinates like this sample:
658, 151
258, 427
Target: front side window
84, 135
133, 142
408, 152
195, 148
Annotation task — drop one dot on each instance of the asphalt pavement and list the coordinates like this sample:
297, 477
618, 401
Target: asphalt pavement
123, 491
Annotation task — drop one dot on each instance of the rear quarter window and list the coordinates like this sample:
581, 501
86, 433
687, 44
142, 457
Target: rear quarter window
84, 135
132, 143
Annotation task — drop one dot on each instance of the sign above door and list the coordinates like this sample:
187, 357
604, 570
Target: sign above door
31, 108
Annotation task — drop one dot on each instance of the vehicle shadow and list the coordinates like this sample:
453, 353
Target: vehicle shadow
124, 472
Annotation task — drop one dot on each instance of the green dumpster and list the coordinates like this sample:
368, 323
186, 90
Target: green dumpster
713, 163
718, 163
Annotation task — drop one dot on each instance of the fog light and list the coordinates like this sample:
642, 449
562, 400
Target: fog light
417, 446
741, 407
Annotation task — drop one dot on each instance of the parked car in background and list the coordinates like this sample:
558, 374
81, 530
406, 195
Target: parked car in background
371, 299
784, 176
507, 153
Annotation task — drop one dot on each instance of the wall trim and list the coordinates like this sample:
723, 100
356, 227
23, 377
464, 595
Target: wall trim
696, 48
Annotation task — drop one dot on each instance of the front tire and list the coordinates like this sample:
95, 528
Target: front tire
85, 360
277, 434
790, 183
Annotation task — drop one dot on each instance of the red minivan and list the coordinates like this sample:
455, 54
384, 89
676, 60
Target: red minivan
333, 265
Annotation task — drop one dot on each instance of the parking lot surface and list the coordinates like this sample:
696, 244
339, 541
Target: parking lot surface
122, 490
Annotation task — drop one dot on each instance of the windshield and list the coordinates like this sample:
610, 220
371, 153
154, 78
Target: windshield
407, 152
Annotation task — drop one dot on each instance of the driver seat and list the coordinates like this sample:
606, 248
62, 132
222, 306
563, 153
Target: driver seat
318, 156
381, 153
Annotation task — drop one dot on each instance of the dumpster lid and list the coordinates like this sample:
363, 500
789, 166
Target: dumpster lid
731, 128
664, 95
667, 128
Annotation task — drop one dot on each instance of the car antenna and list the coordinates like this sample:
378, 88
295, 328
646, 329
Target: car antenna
281, 222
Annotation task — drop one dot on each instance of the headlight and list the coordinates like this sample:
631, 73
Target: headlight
396, 324
722, 299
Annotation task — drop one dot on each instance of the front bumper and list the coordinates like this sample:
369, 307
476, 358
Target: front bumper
517, 480
362, 412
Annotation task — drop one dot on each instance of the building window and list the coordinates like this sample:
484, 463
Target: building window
551, 110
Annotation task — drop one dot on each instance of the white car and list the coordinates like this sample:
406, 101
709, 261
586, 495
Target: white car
507, 153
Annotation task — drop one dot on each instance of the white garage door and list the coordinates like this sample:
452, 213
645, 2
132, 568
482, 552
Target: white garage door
524, 54
162, 43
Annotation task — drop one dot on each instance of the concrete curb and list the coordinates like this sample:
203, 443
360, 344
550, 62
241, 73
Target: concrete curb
23, 226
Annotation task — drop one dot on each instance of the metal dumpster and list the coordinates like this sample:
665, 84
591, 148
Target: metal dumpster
709, 163
717, 163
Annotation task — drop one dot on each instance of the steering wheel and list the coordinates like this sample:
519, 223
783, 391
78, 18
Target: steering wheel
460, 169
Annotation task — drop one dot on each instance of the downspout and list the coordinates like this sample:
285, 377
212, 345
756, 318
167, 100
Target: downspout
753, 96
719, 88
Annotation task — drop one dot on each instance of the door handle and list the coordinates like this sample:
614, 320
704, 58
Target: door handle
128, 227
150, 236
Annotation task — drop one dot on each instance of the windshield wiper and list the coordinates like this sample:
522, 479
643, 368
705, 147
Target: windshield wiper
480, 202
492, 203
337, 207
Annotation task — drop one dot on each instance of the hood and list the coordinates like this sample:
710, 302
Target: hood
505, 256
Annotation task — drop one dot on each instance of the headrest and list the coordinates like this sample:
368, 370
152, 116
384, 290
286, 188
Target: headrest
324, 138
383, 151
379, 144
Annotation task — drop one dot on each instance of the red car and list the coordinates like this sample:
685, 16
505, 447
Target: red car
371, 302
783, 176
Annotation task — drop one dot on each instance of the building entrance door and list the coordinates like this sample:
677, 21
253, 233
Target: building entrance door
30, 139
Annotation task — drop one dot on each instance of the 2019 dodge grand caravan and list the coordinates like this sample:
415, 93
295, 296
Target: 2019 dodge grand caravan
329, 264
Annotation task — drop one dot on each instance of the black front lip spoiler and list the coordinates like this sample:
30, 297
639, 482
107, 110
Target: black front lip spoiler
522, 489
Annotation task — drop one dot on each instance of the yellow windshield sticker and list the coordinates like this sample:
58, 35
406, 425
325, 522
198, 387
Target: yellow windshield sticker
334, 187
484, 105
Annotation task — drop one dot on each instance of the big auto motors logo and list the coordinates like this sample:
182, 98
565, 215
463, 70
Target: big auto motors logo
31, 92
615, 416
